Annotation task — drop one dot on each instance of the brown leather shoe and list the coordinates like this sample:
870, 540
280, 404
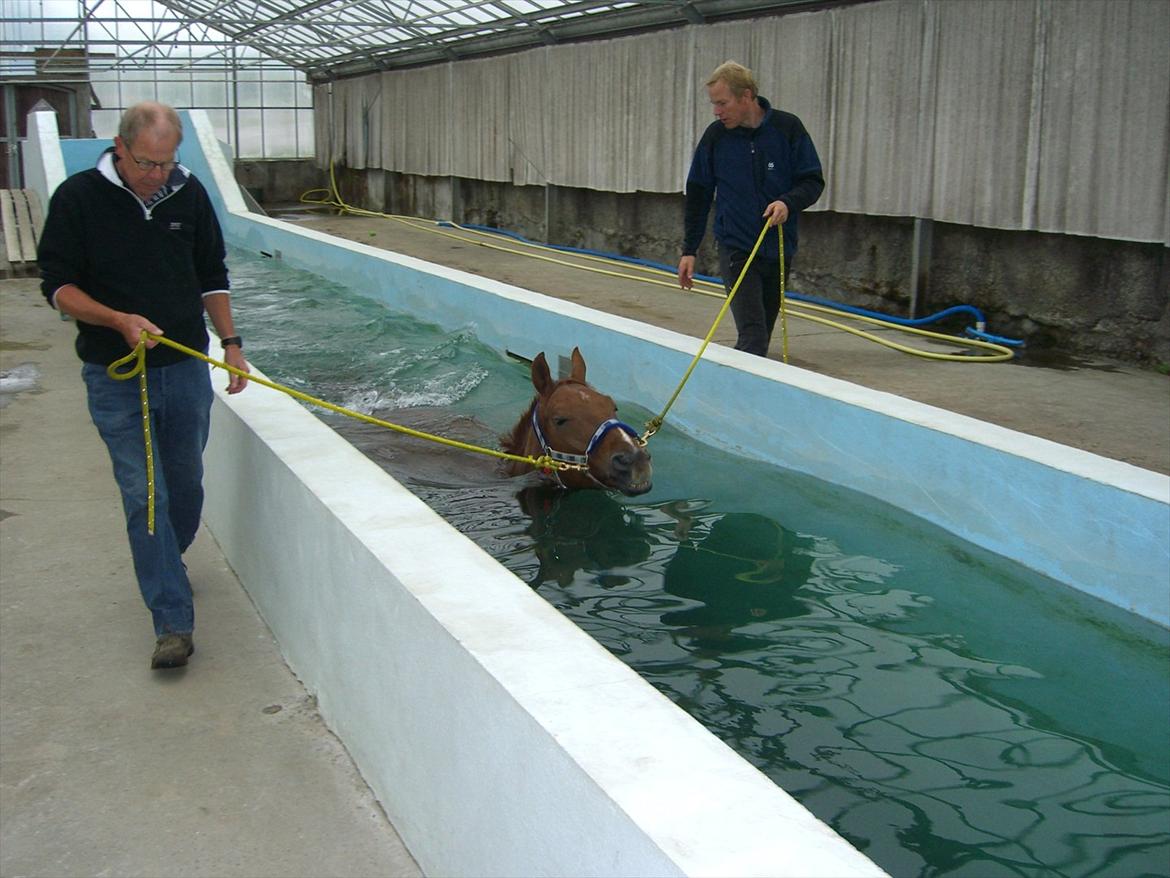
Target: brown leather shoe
171, 651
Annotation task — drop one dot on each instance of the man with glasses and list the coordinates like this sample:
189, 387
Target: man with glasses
133, 244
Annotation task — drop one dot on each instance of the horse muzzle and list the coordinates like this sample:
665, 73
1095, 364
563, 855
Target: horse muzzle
627, 470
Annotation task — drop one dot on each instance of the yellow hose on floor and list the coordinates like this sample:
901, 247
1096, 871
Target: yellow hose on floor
647, 274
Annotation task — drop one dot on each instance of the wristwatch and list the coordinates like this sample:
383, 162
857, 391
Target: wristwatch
231, 340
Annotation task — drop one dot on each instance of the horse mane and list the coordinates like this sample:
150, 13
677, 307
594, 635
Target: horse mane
513, 441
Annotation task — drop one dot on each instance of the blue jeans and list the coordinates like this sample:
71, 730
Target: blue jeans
180, 416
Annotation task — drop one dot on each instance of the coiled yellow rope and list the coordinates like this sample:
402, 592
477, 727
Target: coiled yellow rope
136, 359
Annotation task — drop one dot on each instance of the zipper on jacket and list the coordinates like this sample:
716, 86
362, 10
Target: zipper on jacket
148, 212
757, 172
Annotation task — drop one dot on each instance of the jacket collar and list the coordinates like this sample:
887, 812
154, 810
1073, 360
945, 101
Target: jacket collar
767, 107
740, 131
175, 182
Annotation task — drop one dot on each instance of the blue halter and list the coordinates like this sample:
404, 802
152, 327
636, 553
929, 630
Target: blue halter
579, 459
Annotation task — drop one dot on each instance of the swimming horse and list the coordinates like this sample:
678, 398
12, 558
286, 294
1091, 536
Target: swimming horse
572, 422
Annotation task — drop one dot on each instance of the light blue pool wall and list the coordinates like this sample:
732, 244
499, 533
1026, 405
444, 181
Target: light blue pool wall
1098, 525
82, 154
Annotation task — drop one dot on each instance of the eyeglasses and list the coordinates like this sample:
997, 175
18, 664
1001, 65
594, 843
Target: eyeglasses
147, 165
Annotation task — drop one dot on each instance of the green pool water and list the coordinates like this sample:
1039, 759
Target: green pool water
947, 711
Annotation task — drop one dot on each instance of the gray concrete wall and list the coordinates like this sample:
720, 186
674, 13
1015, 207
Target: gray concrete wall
279, 181
1074, 295
1083, 295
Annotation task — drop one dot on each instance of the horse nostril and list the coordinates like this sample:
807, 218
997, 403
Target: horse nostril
622, 462
625, 461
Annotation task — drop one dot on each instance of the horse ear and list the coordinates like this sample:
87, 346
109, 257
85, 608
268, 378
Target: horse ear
578, 373
541, 379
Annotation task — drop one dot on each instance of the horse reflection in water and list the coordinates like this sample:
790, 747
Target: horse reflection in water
571, 422
582, 532
739, 568
705, 577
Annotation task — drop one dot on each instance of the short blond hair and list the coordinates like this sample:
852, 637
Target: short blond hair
738, 78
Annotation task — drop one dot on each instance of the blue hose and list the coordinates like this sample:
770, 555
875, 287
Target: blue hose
971, 332
976, 332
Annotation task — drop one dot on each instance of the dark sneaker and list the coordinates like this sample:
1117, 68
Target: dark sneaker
171, 651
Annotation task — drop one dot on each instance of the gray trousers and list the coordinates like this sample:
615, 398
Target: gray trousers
757, 302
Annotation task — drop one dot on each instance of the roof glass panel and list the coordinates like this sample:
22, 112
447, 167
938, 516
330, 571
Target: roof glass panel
330, 38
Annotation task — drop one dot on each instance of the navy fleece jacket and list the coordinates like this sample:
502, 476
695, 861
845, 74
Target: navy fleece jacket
744, 170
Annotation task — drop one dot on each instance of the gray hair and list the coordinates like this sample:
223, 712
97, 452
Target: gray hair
148, 115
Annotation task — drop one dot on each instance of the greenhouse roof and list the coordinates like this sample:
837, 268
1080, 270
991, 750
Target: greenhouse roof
328, 39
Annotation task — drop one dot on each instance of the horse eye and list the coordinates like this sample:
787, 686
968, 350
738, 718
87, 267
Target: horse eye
560, 422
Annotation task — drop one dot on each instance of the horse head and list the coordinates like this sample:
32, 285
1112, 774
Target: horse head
573, 422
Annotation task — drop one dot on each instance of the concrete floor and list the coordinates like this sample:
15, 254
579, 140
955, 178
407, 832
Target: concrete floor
225, 769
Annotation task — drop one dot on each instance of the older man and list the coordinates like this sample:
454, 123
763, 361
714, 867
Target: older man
133, 244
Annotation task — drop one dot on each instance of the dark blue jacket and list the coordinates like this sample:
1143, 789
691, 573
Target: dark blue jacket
157, 259
744, 170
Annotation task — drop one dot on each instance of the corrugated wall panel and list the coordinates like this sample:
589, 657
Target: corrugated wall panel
1105, 120
659, 139
415, 120
528, 120
871, 108
477, 119
1029, 114
977, 124
615, 111
587, 130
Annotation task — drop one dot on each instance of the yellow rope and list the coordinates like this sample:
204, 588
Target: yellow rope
137, 361
783, 309
145, 399
654, 424
998, 352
